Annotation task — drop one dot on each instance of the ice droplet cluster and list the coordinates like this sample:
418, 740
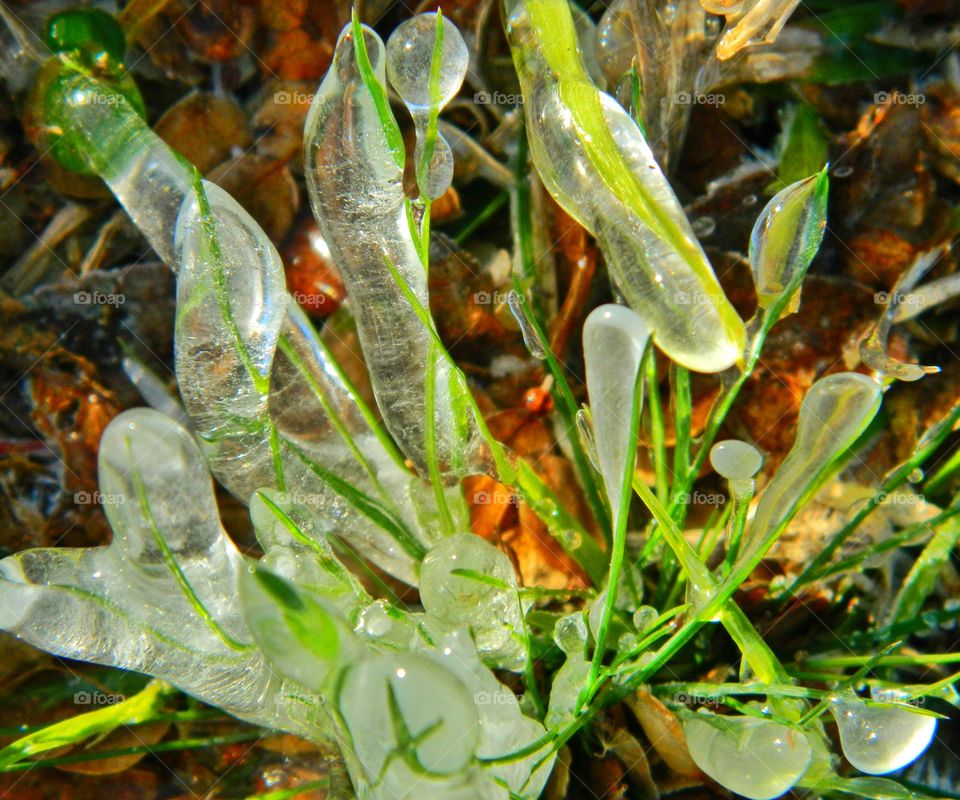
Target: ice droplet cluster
412, 50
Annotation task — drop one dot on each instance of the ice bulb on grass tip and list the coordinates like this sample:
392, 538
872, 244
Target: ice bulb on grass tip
878, 739
784, 240
614, 340
756, 758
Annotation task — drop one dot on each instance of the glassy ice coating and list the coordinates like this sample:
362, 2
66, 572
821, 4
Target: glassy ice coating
753, 757
354, 171
466, 582
162, 597
594, 160
275, 411
410, 53
735, 460
785, 238
880, 739
614, 339
834, 412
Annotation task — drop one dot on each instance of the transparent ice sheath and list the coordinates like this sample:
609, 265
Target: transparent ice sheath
354, 172
594, 160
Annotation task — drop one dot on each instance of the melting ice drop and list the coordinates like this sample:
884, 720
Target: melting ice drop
754, 757
614, 339
880, 739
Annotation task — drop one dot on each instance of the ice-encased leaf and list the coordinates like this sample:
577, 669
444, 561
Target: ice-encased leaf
594, 160
784, 240
161, 598
306, 641
267, 400
834, 412
354, 171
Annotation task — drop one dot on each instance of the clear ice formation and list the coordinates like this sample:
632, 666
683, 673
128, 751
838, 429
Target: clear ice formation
834, 412
735, 460
354, 171
614, 341
463, 574
873, 349
784, 240
750, 23
878, 739
754, 757
594, 160
410, 57
162, 597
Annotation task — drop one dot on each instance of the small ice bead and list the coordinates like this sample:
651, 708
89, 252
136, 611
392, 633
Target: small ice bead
570, 633
644, 617
410, 55
880, 739
756, 758
735, 460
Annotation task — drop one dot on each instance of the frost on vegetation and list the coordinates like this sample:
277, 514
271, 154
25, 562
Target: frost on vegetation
295, 641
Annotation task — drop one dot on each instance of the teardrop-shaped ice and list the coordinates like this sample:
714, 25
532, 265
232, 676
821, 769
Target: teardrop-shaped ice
785, 238
614, 340
434, 177
531, 338
834, 412
735, 460
878, 739
756, 758
466, 582
402, 706
594, 160
410, 52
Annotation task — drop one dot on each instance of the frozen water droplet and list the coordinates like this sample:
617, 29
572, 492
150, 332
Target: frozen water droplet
614, 340
756, 758
916, 476
644, 617
568, 682
843, 172
704, 226
530, 336
410, 56
735, 460
880, 739
750, 200
465, 582
383, 695
436, 175
570, 633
